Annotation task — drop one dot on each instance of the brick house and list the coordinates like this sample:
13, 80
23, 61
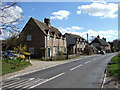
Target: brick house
75, 43
101, 44
42, 39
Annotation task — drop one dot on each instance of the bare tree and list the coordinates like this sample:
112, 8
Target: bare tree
10, 16
92, 38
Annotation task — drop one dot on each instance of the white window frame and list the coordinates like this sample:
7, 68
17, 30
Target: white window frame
32, 48
29, 37
54, 38
48, 37
54, 50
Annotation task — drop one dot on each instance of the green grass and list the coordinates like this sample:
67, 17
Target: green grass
114, 67
11, 66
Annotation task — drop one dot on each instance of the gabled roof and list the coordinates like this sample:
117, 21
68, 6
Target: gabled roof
75, 36
101, 41
44, 27
93, 47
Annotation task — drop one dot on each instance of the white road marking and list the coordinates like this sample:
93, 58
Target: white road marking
31, 83
13, 83
47, 80
94, 59
104, 80
22, 83
87, 62
76, 67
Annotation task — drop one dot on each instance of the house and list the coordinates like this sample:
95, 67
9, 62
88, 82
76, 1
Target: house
42, 39
101, 44
75, 43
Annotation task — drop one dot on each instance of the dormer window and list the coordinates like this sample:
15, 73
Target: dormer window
28, 37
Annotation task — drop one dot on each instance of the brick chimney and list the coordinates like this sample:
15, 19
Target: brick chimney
104, 38
47, 21
98, 36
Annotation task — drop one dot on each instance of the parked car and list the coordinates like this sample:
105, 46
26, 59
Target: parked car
102, 52
14, 56
98, 52
11, 55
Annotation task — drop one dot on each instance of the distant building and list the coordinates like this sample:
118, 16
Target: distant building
42, 39
75, 43
101, 44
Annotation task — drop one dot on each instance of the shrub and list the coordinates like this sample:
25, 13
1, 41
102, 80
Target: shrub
60, 53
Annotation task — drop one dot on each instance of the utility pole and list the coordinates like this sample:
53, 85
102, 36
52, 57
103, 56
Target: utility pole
87, 37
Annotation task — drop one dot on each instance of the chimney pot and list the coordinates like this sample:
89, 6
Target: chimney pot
47, 21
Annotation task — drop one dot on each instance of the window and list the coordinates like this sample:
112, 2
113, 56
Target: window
54, 50
61, 48
54, 38
31, 50
48, 37
28, 37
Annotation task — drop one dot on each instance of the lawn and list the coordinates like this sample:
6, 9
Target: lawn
114, 67
10, 66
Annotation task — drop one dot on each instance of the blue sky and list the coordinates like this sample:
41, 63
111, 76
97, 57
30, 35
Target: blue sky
94, 18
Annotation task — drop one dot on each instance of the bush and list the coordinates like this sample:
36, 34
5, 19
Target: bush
60, 53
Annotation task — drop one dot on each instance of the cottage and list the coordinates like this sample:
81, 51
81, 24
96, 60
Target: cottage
101, 44
42, 39
75, 43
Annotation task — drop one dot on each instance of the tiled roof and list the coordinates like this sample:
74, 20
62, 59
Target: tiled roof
101, 41
75, 36
44, 27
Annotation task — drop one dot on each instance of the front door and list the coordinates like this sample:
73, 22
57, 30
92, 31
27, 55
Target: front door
48, 52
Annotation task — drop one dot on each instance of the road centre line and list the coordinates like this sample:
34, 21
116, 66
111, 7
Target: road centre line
76, 67
87, 62
48, 80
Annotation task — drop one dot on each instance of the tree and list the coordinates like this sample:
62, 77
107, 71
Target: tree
20, 49
10, 16
9, 43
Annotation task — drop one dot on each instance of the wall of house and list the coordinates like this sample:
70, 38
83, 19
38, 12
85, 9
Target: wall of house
37, 38
69, 40
55, 45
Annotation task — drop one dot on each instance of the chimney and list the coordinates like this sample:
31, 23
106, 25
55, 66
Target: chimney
98, 36
47, 21
104, 38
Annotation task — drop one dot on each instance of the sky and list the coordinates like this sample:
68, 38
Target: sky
94, 18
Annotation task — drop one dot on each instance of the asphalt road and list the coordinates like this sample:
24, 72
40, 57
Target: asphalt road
86, 72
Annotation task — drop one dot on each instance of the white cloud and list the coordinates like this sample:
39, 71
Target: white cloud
99, 1
108, 34
61, 14
100, 9
70, 29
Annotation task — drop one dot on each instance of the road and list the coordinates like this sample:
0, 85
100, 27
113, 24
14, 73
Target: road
86, 72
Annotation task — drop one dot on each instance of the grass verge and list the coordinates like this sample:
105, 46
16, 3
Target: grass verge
114, 67
10, 66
